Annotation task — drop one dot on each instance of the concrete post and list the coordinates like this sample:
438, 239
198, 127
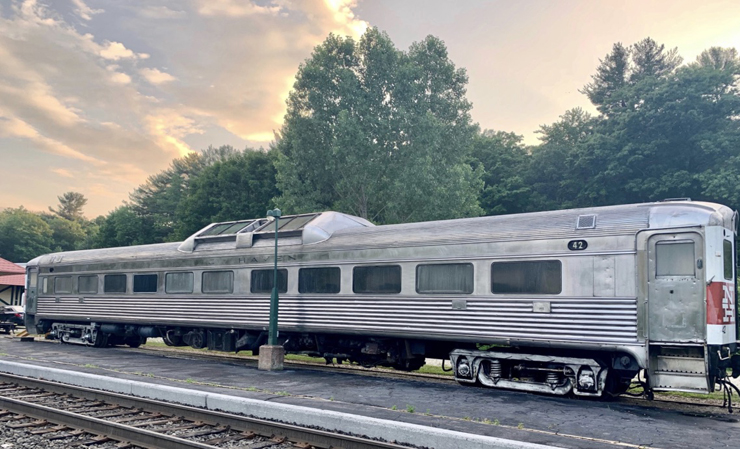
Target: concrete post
271, 358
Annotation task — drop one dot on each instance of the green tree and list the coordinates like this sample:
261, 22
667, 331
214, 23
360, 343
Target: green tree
240, 187
70, 206
23, 235
505, 163
561, 166
623, 68
156, 201
67, 235
379, 133
121, 227
677, 136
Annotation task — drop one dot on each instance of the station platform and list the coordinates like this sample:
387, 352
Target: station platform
510, 416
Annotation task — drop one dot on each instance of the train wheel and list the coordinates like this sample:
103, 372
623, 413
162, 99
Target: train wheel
135, 342
410, 364
101, 340
172, 340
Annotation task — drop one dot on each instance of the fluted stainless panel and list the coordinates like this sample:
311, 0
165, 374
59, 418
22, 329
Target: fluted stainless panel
571, 319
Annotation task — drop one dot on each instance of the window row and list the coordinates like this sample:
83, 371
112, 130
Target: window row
530, 277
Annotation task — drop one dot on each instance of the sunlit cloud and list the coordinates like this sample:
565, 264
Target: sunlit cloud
155, 76
234, 8
84, 11
62, 172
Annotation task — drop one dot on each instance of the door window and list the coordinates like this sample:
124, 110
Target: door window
675, 258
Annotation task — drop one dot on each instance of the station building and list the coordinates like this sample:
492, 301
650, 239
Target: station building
12, 283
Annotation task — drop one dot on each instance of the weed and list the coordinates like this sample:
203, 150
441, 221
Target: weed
410, 408
282, 393
90, 365
520, 426
466, 418
189, 381
331, 398
496, 422
394, 408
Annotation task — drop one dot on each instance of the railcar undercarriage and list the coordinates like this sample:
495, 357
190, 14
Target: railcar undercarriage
407, 355
549, 374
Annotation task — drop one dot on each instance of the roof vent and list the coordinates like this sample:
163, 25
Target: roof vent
586, 222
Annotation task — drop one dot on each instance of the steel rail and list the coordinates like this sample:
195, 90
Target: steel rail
116, 431
314, 437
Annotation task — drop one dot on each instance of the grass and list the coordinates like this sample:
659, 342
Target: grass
426, 369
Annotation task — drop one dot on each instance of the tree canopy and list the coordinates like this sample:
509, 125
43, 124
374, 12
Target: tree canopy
379, 133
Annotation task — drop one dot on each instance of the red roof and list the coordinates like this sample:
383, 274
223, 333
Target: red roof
7, 267
13, 279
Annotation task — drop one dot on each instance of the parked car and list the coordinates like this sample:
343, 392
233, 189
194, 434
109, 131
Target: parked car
13, 314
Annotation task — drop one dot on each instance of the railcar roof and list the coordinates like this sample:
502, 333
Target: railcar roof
342, 231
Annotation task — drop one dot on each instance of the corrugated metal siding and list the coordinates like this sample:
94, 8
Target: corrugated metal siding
612, 320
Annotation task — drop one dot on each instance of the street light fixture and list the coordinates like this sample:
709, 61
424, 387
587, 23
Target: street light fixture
272, 355
274, 299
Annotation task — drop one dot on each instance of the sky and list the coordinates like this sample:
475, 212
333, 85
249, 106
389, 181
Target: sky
96, 95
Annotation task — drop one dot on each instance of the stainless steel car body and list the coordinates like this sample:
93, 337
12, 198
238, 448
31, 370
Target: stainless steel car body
609, 302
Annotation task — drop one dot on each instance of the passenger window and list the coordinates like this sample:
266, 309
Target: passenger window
262, 281
145, 283
675, 259
319, 280
87, 284
381, 279
728, 259
178, 282
63, 284
445, 278
218, 282
114, 283
539, 277
45, 285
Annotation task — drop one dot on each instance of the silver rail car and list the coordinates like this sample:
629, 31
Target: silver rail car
572, 301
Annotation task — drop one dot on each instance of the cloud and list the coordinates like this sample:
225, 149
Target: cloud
75, 96
116, 51
160, 12
84, 11
120, 78
155, 76
234, 8
62, 172
345, 18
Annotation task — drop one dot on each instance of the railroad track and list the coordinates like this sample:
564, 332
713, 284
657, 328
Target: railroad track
88, 417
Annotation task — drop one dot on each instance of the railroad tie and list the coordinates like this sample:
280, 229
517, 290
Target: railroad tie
249, 435
201, 433
64, 436
48, 430
37, 423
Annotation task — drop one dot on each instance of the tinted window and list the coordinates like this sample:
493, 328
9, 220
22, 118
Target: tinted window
63, 284
728, 258
218, 282
114, 283
145, 283
383, 279
319, 280
87, 284
178, 283
674, 259
262, 281
542, 277
445, 278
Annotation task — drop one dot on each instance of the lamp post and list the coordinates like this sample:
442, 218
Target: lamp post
272, 355
274, 299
